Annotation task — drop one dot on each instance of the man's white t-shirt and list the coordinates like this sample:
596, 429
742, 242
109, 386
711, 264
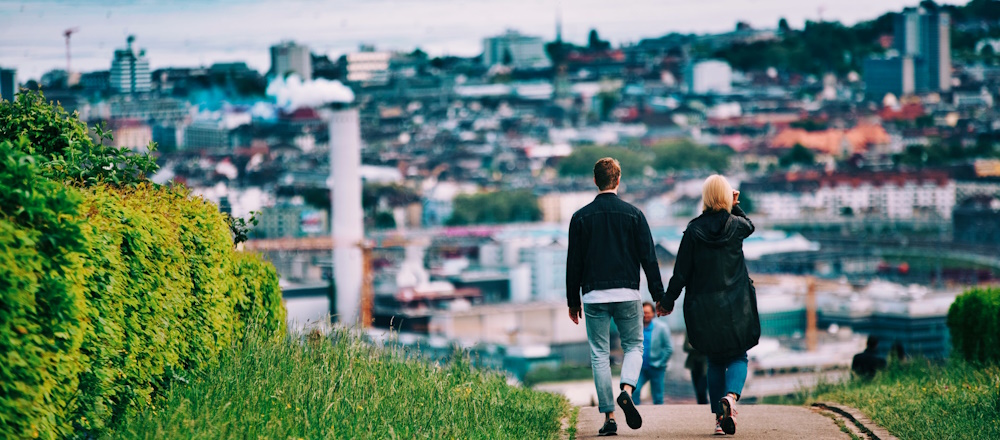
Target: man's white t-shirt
612, 295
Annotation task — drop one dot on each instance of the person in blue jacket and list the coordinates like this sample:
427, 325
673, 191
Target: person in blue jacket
656, 351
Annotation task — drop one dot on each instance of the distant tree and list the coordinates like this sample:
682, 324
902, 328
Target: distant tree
384, 220
746, 203
508, 59
418, 54
686, 155
809, 125
581, 161
495, 207
594, 42
783, 26
798, 154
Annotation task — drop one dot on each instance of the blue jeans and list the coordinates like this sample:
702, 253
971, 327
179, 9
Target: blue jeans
655, 378
726, 376
628, 319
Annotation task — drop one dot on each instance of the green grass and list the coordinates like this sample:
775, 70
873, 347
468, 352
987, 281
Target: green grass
923, 400
341, 387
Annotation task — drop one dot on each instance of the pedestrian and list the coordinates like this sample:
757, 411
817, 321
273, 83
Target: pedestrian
656, 351
698, 364
720, 304
868, 362
609, 241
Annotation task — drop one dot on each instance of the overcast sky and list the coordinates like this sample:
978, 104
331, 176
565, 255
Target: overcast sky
202, 32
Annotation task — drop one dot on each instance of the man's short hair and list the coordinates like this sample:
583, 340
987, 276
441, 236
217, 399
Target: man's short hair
650, 305
607, 172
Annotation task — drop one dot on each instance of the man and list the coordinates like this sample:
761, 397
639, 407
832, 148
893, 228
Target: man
868, 362
609, 240
656, 351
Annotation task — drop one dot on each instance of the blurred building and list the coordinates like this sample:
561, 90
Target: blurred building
914, 316
920, 61
131, 134
515, 50
292, 220
893, 75
8, 83
98, 82
925, 34
130, 70
368, 68
709, 76
288, 57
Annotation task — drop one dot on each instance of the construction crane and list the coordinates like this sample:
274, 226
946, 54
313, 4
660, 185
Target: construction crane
67, 33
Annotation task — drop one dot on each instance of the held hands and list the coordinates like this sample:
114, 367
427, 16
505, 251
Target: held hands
663, 308
575, 314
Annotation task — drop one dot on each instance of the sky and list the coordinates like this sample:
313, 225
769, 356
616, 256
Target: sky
185, 33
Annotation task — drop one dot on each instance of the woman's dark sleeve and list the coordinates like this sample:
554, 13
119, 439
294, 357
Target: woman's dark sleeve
743, 222
682, 269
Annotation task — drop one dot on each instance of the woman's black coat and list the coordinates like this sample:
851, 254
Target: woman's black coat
720, 307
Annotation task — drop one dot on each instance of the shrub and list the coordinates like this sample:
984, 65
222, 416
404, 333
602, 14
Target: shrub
108, 293
42, 310
65, 147
974, 322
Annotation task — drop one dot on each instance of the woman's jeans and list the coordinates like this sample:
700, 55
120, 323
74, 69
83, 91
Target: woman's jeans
726, 376
628, 319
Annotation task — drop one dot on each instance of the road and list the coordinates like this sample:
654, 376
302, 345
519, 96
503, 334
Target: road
695, 421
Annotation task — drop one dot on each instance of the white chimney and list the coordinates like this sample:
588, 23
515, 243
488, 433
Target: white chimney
348, 226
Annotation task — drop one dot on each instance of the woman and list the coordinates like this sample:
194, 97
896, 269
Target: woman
720, 307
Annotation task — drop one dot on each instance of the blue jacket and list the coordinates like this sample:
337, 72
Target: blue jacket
660, 348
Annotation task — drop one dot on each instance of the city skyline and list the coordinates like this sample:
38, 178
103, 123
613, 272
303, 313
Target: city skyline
191, 33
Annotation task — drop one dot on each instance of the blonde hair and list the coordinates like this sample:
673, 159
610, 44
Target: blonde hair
717, 194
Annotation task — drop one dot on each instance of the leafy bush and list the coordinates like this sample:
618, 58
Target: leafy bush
109, 293
64, 146
42, 309
974, 322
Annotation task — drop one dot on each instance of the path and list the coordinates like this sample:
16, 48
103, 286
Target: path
695, 421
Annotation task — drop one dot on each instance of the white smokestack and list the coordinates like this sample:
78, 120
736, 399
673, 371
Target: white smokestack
292, 93
348, 226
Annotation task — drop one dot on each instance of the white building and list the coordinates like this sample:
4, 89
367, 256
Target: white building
548, 271
288, 57
371, 68
558, 207
709, 76
522, 51
130, 70
897, 196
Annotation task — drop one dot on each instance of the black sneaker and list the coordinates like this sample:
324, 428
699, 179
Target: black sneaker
609, 428
632, 417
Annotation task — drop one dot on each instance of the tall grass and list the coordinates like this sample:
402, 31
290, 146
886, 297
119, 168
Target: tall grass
924, 400
338, 386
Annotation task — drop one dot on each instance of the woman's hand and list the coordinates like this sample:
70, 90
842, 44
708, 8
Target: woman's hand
736, 197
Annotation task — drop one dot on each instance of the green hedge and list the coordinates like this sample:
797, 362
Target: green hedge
111, 293
974, 321
42, 309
